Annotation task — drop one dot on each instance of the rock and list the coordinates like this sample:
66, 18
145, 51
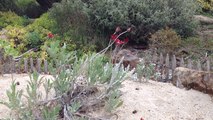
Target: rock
198, 80
130, 58
204, 19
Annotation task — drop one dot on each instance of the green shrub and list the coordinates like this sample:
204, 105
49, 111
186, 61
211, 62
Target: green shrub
9, 49
74, 27
9, 5
24, 3
38, 31
10, 18
70, 14
147, 16
16, 36
166, 40
207, 5
34, 39
43, 22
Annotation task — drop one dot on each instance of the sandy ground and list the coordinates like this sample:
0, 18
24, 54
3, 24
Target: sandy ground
5, 82
163, 101
151, 101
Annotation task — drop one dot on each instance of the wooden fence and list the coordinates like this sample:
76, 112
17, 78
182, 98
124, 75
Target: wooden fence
24, 66
164, 64
167, 64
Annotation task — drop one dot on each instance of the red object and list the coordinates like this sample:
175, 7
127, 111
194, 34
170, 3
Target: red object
118, 41
50, 35
141, 119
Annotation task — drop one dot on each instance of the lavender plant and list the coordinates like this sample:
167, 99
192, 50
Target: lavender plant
80, 86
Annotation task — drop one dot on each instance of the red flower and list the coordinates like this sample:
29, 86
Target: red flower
50, 35
118, 41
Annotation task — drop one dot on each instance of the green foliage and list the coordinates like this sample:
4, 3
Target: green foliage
207, 5
196, 47
14, 98
52, 114
12, 19
16, 36
145, 71
43, 22
9, 50
34, 39
70, 14
39, 29
8, 5
166, 40
74, 27
113, 102
147, 16
65, 84
24, 3
32, 90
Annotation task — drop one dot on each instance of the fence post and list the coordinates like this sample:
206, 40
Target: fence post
18, 66
167, 67
31, 64
208, 68
161, 66
155, 58
38, 65
182, 62
199, 66
13, 67
189, 64
45, 67
25, 65
174, 64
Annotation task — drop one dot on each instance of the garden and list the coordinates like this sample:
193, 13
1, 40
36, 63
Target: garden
105, 59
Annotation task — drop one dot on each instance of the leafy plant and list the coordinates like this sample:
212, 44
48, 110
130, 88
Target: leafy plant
146, 16
75, 87
207, 5
166, 40
16, 36
14, 96
145, 71
74, 26
9, 49
12, 19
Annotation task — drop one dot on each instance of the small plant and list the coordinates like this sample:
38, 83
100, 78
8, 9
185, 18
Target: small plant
15, 101
145, 71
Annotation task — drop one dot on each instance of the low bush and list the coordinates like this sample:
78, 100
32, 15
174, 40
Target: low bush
166, 40
12, 19
8, 48
16, 36
207, 5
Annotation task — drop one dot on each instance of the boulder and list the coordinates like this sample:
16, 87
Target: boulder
193, 79
129, 58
